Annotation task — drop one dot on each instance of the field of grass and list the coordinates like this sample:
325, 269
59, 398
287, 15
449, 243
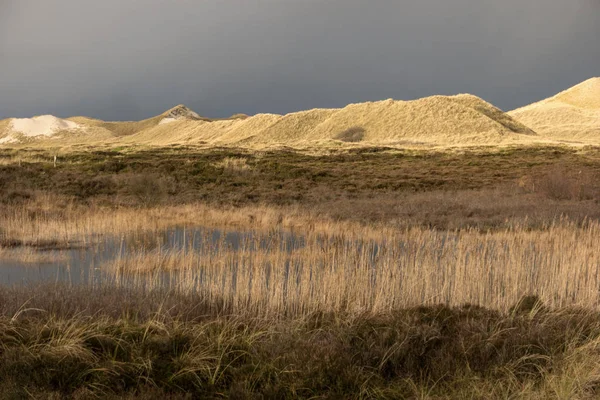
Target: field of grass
472, 274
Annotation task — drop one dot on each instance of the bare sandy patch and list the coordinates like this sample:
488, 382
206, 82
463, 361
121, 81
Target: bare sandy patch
44, 125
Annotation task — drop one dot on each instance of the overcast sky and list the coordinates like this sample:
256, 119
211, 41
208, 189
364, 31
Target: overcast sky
132, 59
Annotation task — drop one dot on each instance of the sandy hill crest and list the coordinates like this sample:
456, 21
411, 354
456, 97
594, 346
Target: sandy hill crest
573, 114
584, 95
179, 113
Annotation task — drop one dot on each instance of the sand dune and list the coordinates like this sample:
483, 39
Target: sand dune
462, 119
437, 120
43, 126
571, 115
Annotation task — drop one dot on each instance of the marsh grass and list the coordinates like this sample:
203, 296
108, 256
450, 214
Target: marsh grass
334, 316
45, 219
366, 184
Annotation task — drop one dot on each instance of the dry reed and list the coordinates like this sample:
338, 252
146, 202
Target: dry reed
268, 275
335, 266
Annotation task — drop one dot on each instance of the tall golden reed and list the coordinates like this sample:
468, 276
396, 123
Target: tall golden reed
270, 275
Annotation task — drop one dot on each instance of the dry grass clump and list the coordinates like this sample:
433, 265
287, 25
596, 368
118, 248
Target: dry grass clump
148, 189
561, 184
28, 157
234, 164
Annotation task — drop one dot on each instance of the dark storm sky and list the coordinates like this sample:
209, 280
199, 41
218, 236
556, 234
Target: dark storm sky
128, 59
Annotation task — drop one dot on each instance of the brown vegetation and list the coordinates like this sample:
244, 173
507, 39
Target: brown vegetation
414, 275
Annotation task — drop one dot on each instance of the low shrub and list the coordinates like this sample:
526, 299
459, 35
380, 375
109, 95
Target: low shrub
352, 135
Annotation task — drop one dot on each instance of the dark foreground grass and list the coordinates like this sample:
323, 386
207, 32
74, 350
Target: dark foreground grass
59, 342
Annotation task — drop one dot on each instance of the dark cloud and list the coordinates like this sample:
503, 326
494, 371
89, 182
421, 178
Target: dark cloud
128, 59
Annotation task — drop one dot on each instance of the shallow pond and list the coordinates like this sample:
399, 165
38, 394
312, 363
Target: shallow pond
84, 264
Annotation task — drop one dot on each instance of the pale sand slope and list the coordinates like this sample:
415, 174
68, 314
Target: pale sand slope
571, 115
28, 129
44, 125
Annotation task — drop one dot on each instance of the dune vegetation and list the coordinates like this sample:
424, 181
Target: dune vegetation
414, 274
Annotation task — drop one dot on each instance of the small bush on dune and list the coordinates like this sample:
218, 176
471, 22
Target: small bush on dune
352, 135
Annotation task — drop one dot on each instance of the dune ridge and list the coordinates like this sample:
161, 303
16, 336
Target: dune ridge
437, 120
461, 119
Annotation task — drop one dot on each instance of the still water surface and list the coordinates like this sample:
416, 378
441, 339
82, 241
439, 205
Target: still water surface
83, 264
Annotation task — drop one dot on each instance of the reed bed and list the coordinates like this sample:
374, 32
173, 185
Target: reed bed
333, 265
47, 219
269, 274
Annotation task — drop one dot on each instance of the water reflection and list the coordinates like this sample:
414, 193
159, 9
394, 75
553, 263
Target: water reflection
87, 264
